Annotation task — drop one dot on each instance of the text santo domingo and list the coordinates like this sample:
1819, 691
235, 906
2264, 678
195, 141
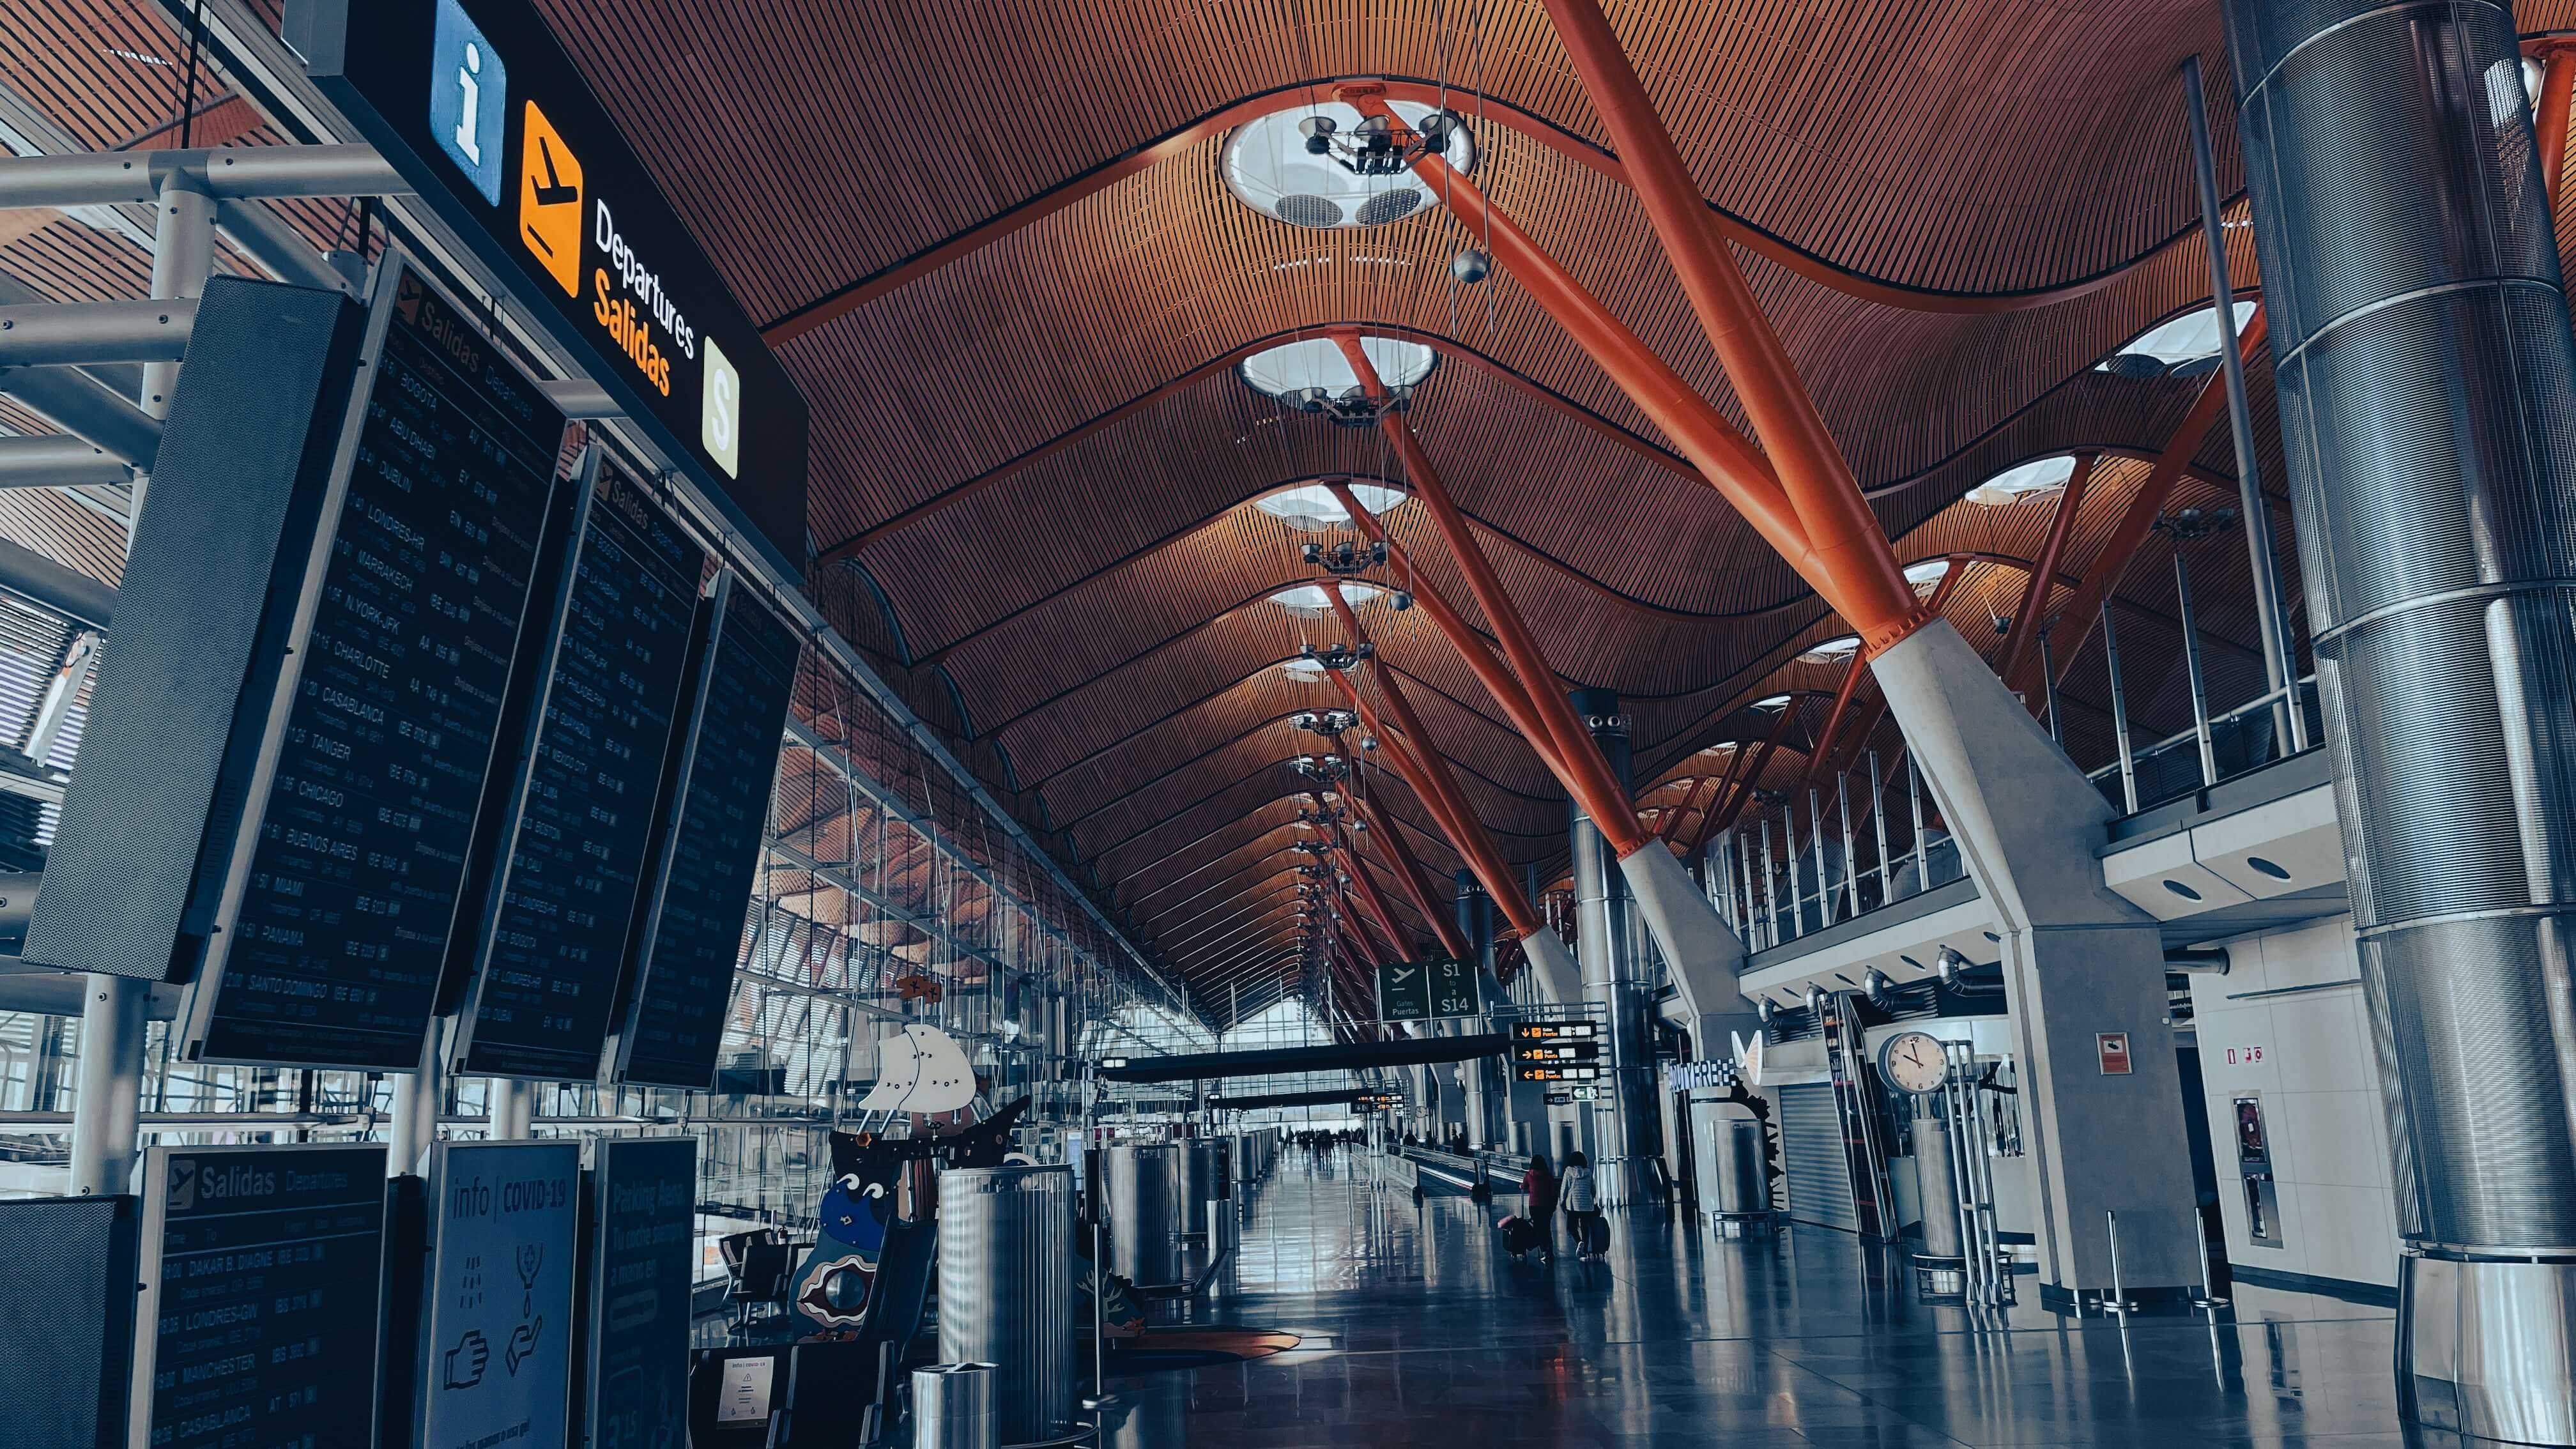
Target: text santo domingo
629, 319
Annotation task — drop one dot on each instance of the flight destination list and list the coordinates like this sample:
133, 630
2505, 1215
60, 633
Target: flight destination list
335, 950
575, 858
695, 932
261, 1325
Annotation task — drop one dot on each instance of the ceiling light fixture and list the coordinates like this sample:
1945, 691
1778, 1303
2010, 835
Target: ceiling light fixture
1311, 375
1326, 166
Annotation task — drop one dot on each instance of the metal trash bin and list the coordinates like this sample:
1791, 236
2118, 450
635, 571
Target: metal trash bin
952, 1407
1144, 1213
1006, 1290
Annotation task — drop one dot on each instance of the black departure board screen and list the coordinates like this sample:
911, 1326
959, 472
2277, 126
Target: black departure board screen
257, 1324
693, 931
572, 856
356, 854
641, 1252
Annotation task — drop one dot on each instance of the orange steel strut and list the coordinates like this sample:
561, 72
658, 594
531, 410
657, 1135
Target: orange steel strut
1724, 458
1847, 538
2084, 609
1428, 772
2549, 118
1409, 876
1498, 681
2034, 596
1592, 785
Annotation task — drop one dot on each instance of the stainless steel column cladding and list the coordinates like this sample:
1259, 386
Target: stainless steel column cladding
1143, 1179
1006, 1290
2426, 379
952, 1407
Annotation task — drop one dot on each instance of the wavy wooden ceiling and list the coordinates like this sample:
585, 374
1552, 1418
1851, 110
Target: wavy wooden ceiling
1014, 288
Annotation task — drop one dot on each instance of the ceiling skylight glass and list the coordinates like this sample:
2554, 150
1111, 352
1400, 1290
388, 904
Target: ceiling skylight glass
1927, 575
1311, 600
1294, 372
2044, 475
1312, 508
1831, 650
2186, 346
1304, 671
1323, 165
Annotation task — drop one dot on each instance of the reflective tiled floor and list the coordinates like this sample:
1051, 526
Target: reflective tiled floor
1421, 1333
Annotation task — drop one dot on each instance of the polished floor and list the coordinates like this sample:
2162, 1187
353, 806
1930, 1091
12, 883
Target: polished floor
1418, 1331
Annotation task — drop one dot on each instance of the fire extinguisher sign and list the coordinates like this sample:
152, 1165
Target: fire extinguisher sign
2114, 1047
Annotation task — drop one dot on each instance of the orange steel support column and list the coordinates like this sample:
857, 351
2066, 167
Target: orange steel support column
1849, 543
1491, 871
1592, 784
1437, 785
1752, 780
1834, 718
2034, 596
1367, 887
1724, 459
1497, 679
2549, 118
1408, 870
2085, 608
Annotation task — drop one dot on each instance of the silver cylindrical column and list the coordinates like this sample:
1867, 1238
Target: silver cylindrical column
1935, 1182
1193, 1185
2425, 373
1742, 1191
1006, 1289
1144, 1212
1607, 948
952, 1407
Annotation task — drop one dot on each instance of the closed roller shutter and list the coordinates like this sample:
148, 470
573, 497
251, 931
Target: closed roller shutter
1811, 1150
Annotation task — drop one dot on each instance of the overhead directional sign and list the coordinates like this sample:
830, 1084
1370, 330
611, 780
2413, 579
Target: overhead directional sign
485, 113
1428, 990
1403, 991
1453, 987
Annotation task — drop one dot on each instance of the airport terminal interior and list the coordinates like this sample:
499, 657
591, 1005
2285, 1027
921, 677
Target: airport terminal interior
1443, 724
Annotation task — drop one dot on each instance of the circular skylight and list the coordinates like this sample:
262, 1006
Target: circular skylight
1314, 375
2185, 346
1273, 165
1312, 508
2044, 475
1774, 702
1719, 748
1304, 671
1310, 599
1927, 575
1831, 650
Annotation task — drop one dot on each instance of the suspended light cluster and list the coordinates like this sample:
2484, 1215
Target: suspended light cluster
1312, 508
2186, 346
1327, 167
2044, 475
1311, 375
1311, 601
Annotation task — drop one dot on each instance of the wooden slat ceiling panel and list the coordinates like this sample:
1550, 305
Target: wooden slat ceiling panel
2045, 153
1088, 613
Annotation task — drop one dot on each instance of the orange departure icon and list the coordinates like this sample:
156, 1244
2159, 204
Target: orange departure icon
550, 200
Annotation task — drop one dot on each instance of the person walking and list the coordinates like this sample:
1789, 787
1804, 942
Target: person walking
1581, 1206
1538, 1189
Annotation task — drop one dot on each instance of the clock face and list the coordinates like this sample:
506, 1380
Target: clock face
1914, 1061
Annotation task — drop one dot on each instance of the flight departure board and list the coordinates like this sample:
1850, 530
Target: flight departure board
692, 931
257, 1323
344, 882
572, 854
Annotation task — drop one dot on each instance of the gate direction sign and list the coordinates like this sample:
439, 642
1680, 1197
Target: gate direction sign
1453, 987
1403, 992
488, 116
1427, 990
